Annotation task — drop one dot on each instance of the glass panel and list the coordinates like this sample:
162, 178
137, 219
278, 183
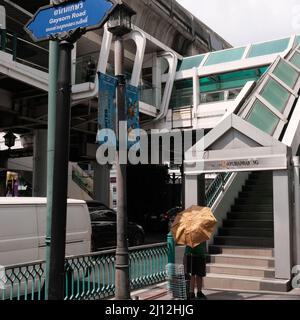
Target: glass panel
274, 93
266, 48
295, 60
297, 40
286, 73
225, 56
190, 63
262, 118
231, 80
182, 95
212, 97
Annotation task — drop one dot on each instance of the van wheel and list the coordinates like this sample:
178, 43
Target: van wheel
137, 239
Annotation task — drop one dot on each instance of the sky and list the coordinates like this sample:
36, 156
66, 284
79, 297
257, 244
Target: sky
247, 21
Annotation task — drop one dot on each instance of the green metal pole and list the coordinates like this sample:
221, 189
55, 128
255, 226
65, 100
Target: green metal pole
171, 249
171, 260
53, 75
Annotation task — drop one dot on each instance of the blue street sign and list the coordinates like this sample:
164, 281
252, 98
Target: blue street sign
51, 21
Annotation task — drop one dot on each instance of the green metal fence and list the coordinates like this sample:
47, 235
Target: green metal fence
87, 277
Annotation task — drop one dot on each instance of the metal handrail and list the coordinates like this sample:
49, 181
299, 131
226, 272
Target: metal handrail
16, 41
78, 180
216, 187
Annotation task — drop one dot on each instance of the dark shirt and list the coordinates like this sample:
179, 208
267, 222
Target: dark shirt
197, 251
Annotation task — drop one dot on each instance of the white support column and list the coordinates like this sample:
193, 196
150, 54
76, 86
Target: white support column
191, 191
40, 164
74, 58
2, 18
196, 96
156, 80
296, 212
102, 183
105, 50
140, 41
282, 224
172, 60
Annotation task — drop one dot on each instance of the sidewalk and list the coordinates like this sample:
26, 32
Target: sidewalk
160, 292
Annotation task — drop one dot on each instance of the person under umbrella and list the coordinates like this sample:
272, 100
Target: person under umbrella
193, 227
195, 269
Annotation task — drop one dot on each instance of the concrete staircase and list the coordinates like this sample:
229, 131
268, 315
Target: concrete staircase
242, 255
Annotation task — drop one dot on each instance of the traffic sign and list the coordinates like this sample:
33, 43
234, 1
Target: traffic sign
53, 21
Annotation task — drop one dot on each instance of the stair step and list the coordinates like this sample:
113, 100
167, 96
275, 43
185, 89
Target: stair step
253, 207
258, 191
245, 241
253, 201
259, 183
241, 251
243, 283
241, 260
247, 232
245, 223
250, 216
240, 270
255, 195
263, 180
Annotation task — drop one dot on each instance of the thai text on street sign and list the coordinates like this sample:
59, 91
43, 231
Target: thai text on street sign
51, 21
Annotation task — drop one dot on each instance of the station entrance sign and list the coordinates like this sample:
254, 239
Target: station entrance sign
50, 22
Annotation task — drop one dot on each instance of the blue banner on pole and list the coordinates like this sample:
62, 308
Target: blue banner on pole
133, 118
107, 105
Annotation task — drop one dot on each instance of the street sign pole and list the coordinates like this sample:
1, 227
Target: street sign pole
60, 175
53, 74
64, 22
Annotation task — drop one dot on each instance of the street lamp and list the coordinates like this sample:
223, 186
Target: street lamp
119, 24
9, 139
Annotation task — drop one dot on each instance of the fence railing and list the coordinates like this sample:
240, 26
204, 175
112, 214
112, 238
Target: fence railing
216, 187
87, 277
24, 51
82, 181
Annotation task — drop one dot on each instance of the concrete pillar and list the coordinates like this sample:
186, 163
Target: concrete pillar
39, 185
194, 187
282, 199
102, 183
74, 60
191, 191
2, 18
156, 81
296, 212
196, 96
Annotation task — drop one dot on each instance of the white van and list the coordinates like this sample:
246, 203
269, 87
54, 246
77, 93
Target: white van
23, 230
